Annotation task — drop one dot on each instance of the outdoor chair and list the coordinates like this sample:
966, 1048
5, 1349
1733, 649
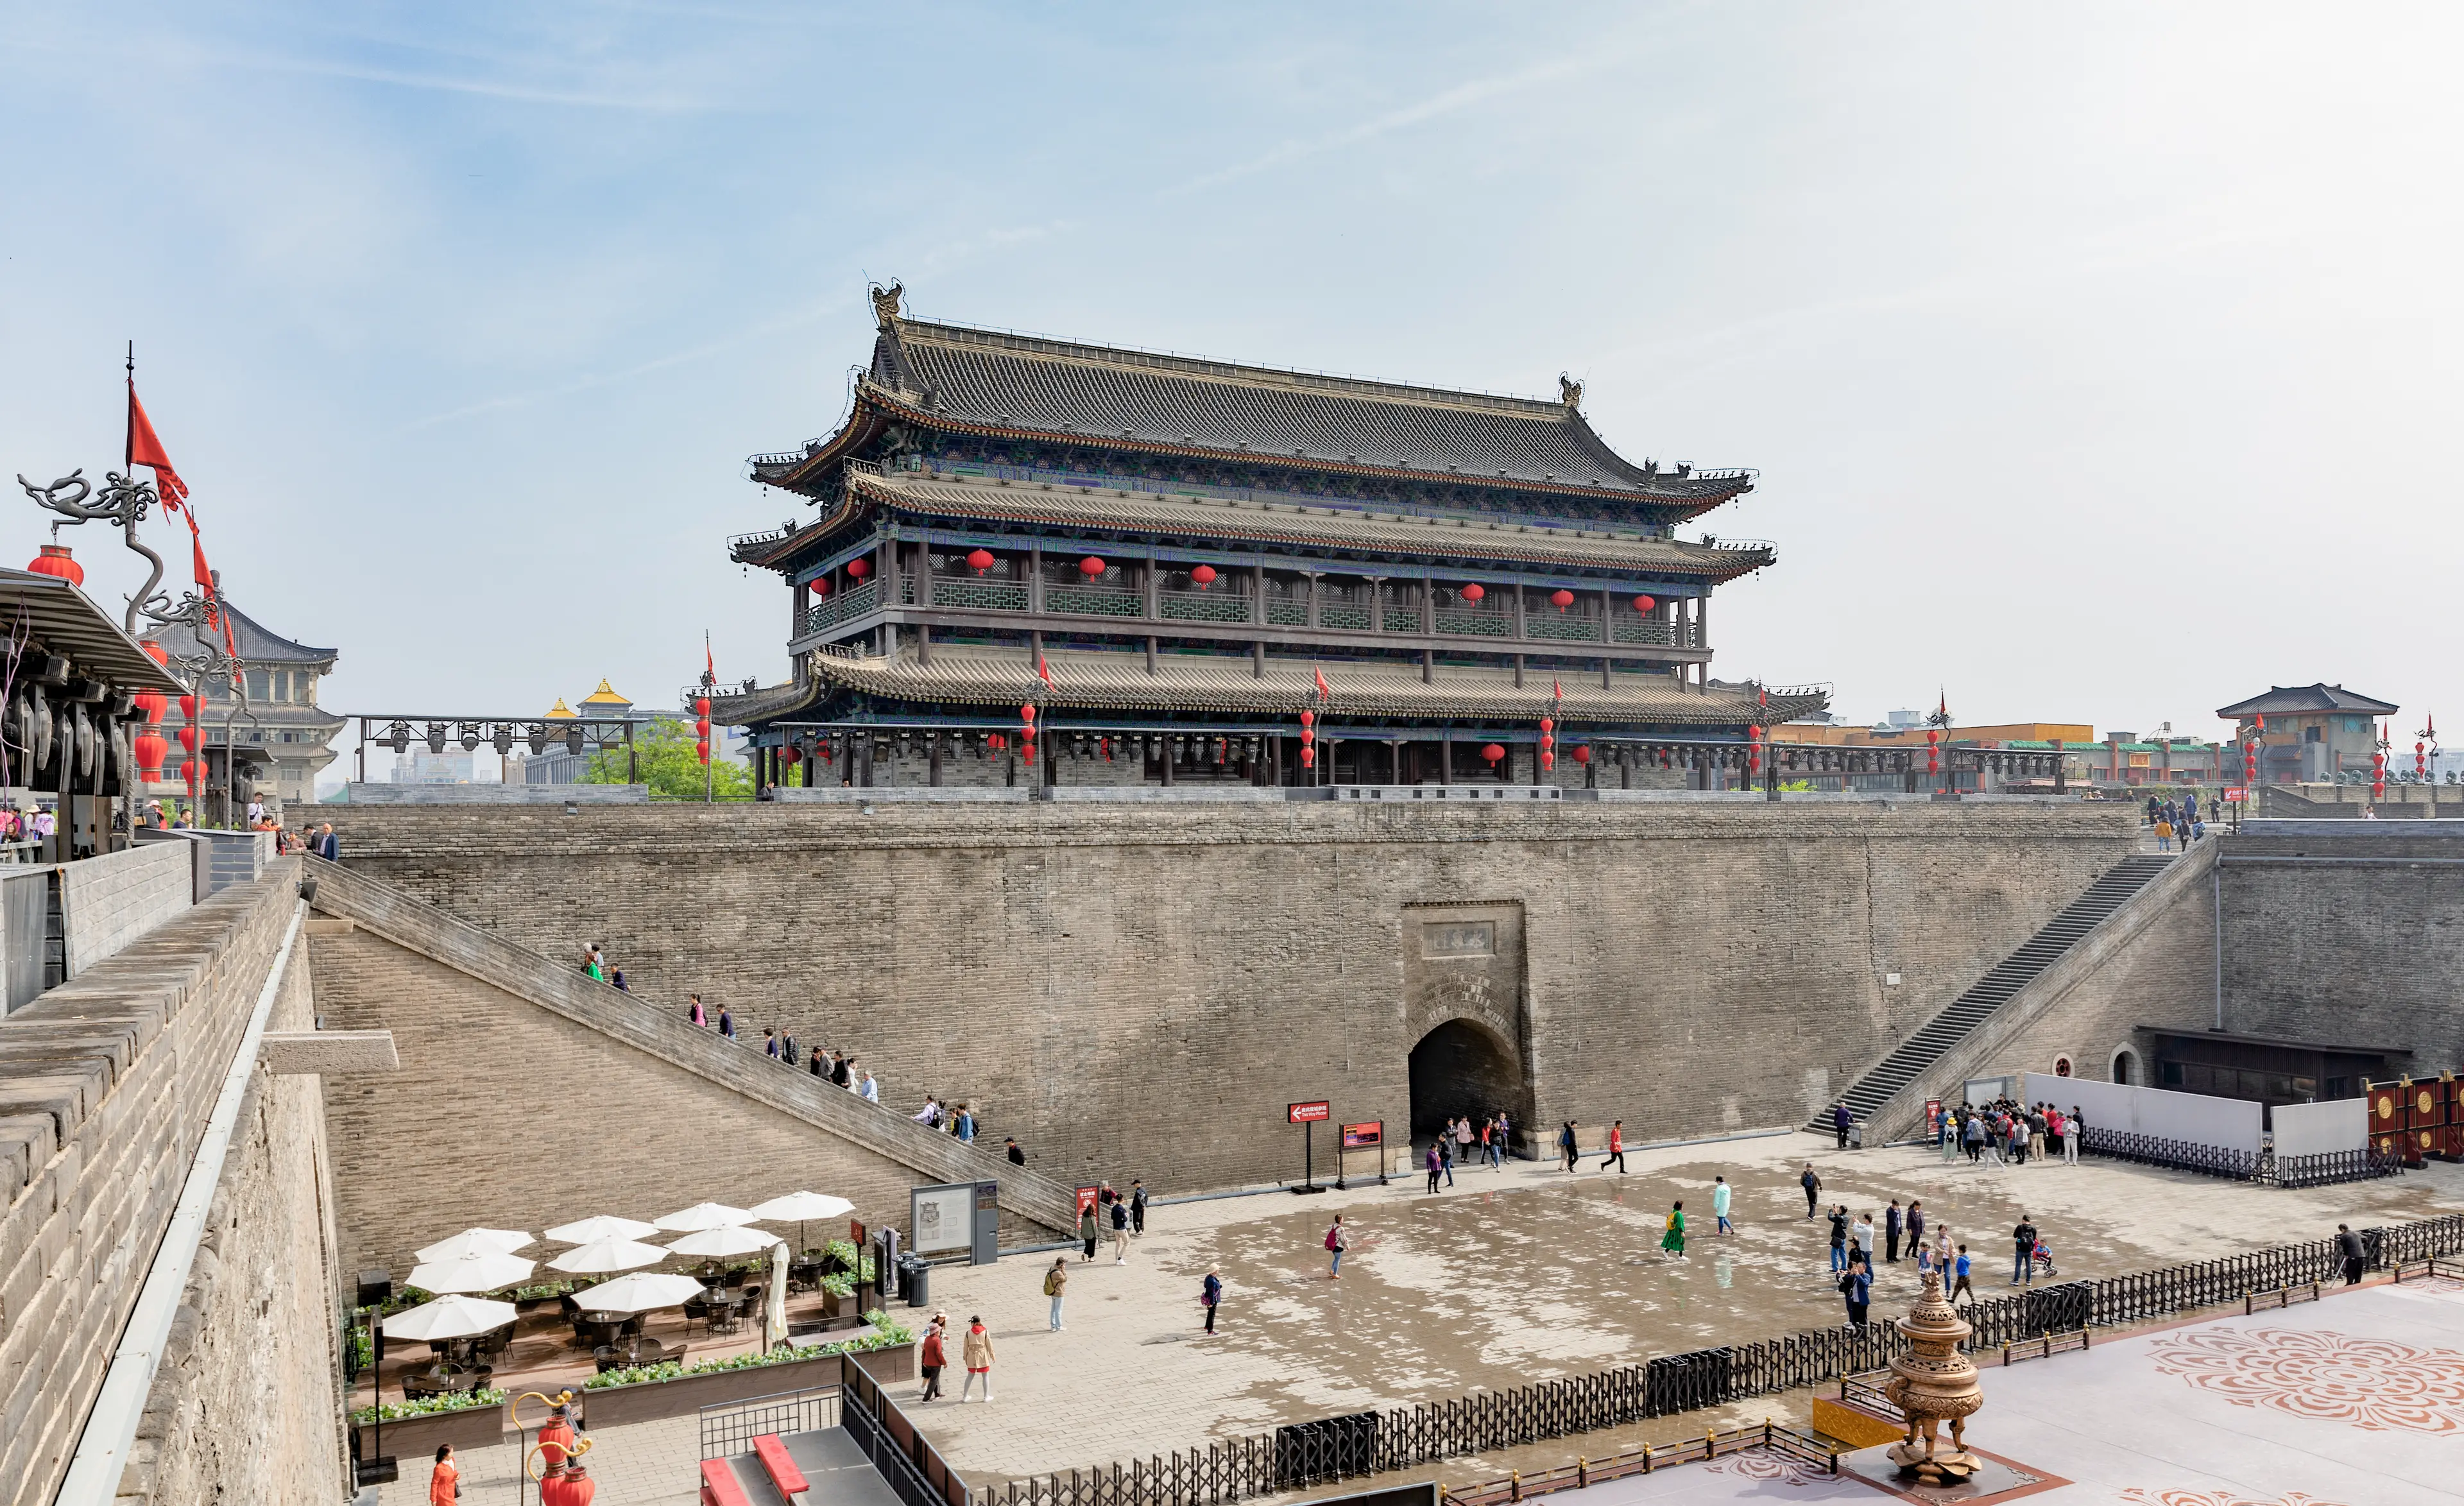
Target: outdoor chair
418, 1383
609, 1359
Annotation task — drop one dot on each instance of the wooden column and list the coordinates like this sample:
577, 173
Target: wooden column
1518, 662
1312, 598
1258, 658
923, 574
1151, 602
1151, 652
1035, 578
1446, 754
1517, 590
1394, 761
802, 599
932, 759
923, 643
1428, 665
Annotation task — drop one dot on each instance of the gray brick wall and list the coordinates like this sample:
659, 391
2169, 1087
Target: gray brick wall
108, 902
106, 1085
1138, 990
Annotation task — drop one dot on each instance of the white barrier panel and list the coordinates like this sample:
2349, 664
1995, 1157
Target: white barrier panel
2317, 1129
2195, 1118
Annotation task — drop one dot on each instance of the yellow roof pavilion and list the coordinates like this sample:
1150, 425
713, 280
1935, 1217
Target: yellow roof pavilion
559, 712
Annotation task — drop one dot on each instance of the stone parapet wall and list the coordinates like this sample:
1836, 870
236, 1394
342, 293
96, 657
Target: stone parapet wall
106, 1086
382, 794
1138, 990
108, 902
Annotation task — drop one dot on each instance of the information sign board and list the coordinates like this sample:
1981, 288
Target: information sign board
1310, 1113
1360, 1137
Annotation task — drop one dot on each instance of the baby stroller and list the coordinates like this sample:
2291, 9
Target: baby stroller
2041, 1258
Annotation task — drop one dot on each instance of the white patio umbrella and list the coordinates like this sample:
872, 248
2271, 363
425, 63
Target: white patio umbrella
803, 1207
637, 1293
477, 1271
774, 1302
449, 1317
486, 1241
706, 1215
597, 1227
601, 1256
728, 1239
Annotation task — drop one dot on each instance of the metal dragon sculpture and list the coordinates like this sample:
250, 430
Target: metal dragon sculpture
124, 500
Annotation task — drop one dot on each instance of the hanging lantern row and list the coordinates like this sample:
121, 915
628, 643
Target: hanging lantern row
1308, 740
1754, 750
1933, 750
1026, 721
701, 727
1548, 744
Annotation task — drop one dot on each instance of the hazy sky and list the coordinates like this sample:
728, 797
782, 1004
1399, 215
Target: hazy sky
2096, 360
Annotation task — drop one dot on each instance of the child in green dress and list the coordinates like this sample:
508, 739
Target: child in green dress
1673, 1242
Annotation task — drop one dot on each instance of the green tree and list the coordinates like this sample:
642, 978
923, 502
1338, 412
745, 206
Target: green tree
664, 759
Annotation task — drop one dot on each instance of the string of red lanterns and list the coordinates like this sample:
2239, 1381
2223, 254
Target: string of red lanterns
1026, 728
1548, 743
701, 727
1308, 740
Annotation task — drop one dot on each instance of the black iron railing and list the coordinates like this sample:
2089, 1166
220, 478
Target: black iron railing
2181, 1155
2334, 1166
1583, 1474
905, 1457
728, 1429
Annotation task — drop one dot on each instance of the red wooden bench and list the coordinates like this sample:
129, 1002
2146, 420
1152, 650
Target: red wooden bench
779, 1465
719, 1487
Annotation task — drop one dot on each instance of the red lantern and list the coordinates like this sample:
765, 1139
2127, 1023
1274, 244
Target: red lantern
189, 707
996, 743
1561, 598
1933, 750
791, 755
188, 736
701, 751
701, 728
822, 588
188, 771
1473, 592
556, 1439
157, 652
1492, 753
1583, 753
701, 705
54, 559
1308, 756
1548, 725
1645, 604
567, 1485
2420, 762
1203, 575
151, 750
979, 560
152, 702
1090, 566
859, 568
1309, 719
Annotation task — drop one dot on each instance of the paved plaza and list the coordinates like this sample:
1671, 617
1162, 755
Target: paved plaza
1508, 1276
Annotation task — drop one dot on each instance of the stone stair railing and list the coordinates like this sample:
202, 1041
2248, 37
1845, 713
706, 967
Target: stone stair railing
423, 928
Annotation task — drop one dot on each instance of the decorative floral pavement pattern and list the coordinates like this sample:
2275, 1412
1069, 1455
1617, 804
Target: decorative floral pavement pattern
2373, 1383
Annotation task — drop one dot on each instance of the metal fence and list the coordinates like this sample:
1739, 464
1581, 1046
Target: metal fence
2241, 1165
2035, 1319
728, 1429
913, 1468
1583, 1474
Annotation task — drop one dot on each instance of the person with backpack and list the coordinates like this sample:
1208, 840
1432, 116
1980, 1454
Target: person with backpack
1858, 1287
1567, 1142
1210, 1295
1056, 1284
1960, 1268
1672, 1237
931, 1357
1120, 1231
1839, 1237
1813, 1185
1336, 1244
1087, 1231
978, 1353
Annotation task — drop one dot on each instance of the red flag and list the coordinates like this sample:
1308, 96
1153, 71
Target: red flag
1323, 694
709, 665
1556, 690
1043, 669
145, 448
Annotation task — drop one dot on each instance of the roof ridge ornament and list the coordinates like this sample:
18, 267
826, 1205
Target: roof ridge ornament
885, 301
1569, 393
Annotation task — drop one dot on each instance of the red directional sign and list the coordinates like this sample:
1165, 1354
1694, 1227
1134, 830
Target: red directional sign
1310, 1113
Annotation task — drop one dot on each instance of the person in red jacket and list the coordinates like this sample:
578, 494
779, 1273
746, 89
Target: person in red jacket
1617, 1147
932, 1358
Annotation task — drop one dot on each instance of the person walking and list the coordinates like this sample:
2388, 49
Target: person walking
1432, 1161
2073, 1127
1567, 1143
965, 1126
868, 1089
1463, 1140
1961, 1267
726, 1023
444, 1480
593, 965
1949, 1138
1446, 1148
929, 1359
1840, 1238
1336, 1244
770, 1049
2348, 1249
978, 1351
1210, 1295
1120, 1231
1504, 1139
1893, 1222
696, 1014
1858, 1287
1974, 1134
1812, 1186
1916, 1228
1492, 1134
841, 1069
1137, 1207
1672, 1236
1089, 1231
1720, 1192
1617, 1147
1010, 1149
2023, 1252
1056, 1285
328, 847
1840, 1120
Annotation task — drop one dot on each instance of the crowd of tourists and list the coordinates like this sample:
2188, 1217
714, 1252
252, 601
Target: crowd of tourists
2175, 821
2010, 1134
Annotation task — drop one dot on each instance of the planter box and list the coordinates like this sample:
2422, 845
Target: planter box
619, 1405
417, 1437
886, 1365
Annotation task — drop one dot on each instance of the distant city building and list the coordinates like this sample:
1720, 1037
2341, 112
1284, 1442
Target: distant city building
560, 763
281, 737
2314, 735
419, 767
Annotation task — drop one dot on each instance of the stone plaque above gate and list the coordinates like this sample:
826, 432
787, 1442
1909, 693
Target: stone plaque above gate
1458, 939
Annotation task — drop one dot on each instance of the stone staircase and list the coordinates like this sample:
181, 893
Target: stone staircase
420, 927
1938, 1036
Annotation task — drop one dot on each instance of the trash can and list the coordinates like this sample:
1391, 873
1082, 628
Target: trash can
1856, 1133
917, 1279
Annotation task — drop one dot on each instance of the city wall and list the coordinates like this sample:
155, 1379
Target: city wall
1141, 990
107, 1083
